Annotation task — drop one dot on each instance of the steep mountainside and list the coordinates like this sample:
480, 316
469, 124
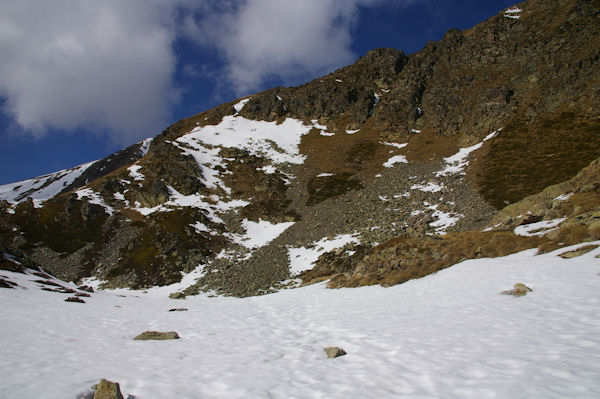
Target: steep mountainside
382, 171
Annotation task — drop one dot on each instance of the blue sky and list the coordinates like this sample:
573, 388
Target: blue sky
81, 80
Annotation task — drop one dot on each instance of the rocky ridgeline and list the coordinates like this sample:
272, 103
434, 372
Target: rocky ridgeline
409, 155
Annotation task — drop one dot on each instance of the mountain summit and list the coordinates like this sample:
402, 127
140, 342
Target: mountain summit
479, 145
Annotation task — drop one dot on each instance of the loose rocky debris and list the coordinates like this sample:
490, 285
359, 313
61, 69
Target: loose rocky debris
82, 294
519, 289
108, 390
334, 351
156, 335
74, 299
178, 310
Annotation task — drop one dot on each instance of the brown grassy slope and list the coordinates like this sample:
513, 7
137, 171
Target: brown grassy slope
405, 258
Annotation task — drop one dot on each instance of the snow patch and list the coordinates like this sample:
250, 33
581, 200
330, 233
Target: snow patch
430, 187
94, 198
134, 172
513, 13
278, 142
563, 197
394, 160
240, 105
457, 162
302, 258
145, 147
538, 229
397, 145
443, 220
258, 234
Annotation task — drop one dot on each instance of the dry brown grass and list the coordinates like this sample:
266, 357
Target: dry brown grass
405, 258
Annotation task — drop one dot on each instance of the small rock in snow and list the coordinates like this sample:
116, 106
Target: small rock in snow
519, 289
334, 351
74, 299
178, 310
156, 335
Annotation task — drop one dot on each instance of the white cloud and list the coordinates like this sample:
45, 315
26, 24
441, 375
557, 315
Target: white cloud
110, 64
101, 64
289, 39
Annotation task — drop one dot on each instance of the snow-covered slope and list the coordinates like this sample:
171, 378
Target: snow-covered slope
448, 335
44, 187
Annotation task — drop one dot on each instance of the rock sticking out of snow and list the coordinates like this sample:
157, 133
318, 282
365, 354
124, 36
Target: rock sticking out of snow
108, 390
334, 351
74, 299
156, 335
519, 289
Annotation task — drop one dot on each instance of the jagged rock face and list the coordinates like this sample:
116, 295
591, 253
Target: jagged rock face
331, 173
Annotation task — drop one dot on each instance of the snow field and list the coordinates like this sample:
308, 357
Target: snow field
448, 335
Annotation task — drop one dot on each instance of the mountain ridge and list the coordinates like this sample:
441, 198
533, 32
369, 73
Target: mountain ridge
415, 153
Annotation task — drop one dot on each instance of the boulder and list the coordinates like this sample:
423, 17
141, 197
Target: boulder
108, 390
156, 335
334, 351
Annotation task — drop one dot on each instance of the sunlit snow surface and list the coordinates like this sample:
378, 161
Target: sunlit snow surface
448, 335
278, 142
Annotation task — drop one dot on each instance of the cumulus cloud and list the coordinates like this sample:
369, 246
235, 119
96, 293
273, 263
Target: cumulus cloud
288, 39
110, 65
98, 64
